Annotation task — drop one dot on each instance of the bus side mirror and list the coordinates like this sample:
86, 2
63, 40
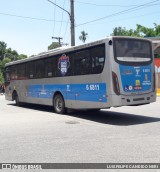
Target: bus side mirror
110, 42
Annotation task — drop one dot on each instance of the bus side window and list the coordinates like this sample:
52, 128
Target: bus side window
21, 71
98, 58
82, 63
39, 65
30, 70
50, 67
14, 73
70, 65
7, 74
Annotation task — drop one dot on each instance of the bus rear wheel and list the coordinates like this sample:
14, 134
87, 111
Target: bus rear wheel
16, 98
59, 105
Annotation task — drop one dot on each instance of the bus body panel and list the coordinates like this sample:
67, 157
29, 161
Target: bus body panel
41, 91
117, 85
136, 79
135, 83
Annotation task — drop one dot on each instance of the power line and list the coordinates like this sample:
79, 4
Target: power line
105, 5
54, 17
118, 13
110, 21
31, 18
62, 18
59, 7
64, 36
71, 16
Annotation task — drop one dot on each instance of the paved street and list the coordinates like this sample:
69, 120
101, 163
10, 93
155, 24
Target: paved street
35, 134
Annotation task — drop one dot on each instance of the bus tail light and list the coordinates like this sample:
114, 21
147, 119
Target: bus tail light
115, 83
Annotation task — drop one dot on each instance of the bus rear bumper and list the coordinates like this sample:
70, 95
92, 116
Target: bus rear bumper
138, 99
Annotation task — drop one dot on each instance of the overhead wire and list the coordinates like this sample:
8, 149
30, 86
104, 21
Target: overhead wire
54, 18
61, 18
138, 7
105, 5
127, 18
62, 15
117, 13
66, 28
102, 5
64, 36
30, 18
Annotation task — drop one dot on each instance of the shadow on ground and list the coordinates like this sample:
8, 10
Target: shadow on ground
104, 117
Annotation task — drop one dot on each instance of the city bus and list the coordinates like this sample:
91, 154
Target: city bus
112, 72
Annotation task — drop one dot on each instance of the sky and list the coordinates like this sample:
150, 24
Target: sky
28, 26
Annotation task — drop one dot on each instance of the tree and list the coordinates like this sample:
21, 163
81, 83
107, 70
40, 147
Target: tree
21, 56
157, 29
149, 32
140, 31
83, 36
4, 61
53, 45
12, 54
2, 64
1, 78
7, 55
3, 46
119, 31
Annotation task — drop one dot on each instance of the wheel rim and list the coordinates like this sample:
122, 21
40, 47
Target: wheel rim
58, 104
17, 100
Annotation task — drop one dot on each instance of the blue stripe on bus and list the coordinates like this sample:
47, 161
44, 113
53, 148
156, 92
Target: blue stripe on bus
94, 92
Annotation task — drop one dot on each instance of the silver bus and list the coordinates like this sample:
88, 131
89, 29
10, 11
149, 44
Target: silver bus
112, 72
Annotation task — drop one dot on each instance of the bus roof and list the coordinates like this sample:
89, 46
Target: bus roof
66, 49
55, 52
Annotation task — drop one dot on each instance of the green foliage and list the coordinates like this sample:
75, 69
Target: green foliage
22, 56
3, 46
149, 32
140, 31
83, 36
2, 64
7, 55
53, 45
119, 31
12, 54
1, 78
157, 56
4, 61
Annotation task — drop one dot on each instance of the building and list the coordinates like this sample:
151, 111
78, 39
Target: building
156, 48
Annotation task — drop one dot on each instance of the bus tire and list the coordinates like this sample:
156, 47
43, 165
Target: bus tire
16, 98
59, 104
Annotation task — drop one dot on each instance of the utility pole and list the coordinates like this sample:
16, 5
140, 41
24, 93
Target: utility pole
72, 23
59, 40
71, 16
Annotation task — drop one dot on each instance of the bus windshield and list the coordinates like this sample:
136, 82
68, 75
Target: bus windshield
130, 51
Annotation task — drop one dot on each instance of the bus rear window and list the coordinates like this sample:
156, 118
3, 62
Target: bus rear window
132, 51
